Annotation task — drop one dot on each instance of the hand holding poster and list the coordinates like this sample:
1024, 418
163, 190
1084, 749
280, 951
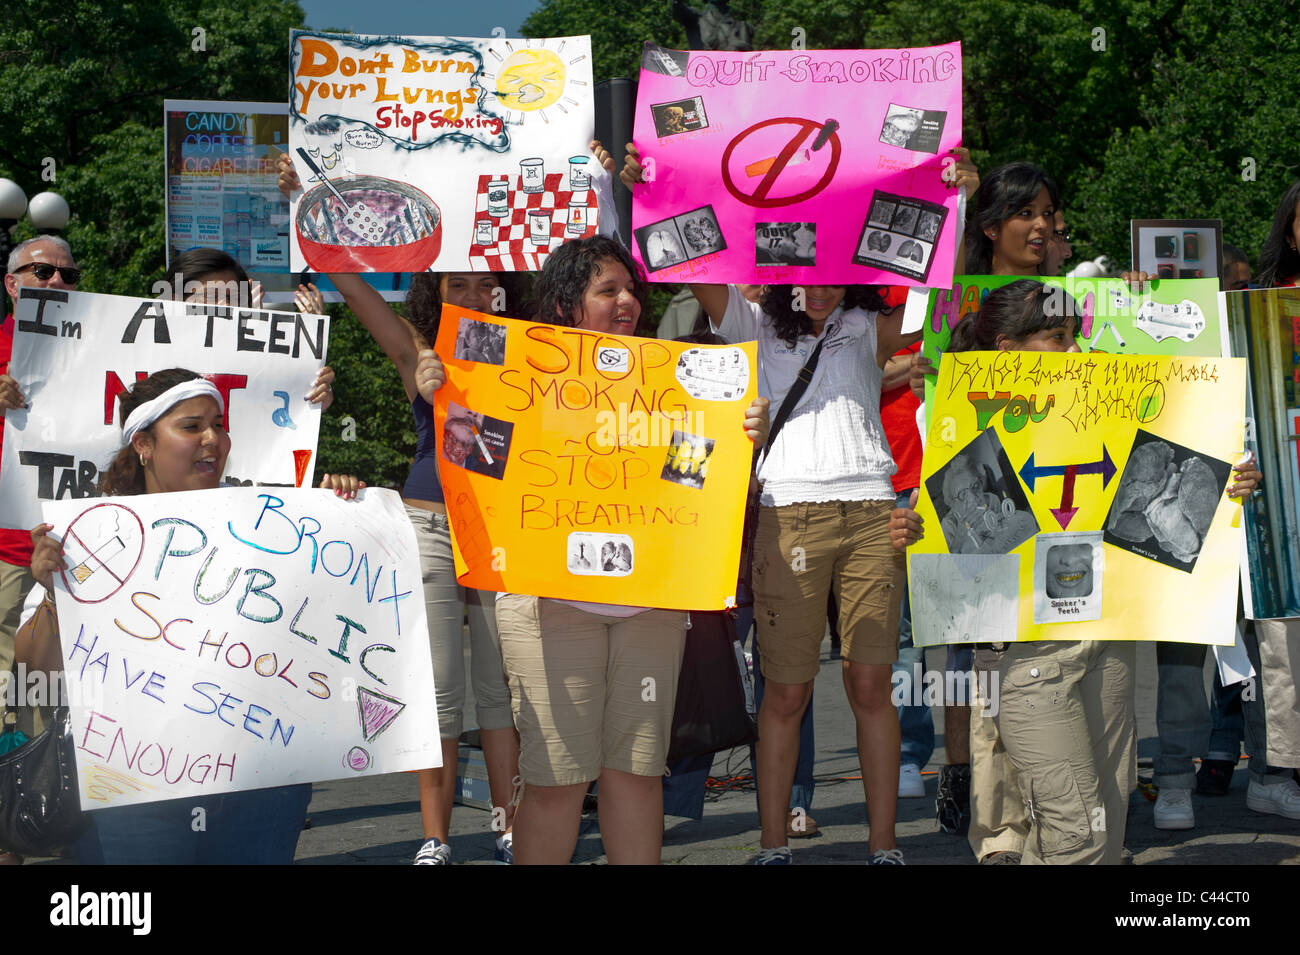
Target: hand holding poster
451, 153
75, 353
225, 640
831, 163
1079, 497
593, 467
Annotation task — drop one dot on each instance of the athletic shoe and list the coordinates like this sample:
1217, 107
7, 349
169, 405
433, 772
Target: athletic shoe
1214, 776
504, 853
433, 852
909, 781
887, 857
1280, 800
1174, 809
952, 799
778, 856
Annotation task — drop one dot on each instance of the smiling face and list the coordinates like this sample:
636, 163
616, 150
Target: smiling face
185, 449
1069, 570
609, 303
1020, 241
820, 301
472, 290
24, 276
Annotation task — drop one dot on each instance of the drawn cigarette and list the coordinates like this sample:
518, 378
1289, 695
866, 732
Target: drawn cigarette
481, 446
760, 168
107, 550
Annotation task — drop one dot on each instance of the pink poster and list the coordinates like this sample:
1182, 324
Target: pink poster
795, 166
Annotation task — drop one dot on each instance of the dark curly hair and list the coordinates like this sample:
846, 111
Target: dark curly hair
125, 475
569, 270
1014, 312
424, 300
1002, 193
1279, 262
789, 323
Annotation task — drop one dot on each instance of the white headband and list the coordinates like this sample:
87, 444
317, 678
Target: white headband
149, 412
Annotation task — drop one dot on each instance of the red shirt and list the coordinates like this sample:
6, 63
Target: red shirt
15, 544
898, 413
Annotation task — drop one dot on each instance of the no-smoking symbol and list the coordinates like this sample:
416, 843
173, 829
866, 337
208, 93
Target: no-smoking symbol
766, 195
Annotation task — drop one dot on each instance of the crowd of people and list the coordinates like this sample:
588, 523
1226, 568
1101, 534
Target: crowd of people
556, 683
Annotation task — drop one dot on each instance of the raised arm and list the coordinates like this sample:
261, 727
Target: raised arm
713, 299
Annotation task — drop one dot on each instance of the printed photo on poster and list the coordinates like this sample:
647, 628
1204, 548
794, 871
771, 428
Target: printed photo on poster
1068, 577
481, 342
476, 442
687, 463
981, 506
916, 129
1178, 248
965, 598
716, 373
680, 238
665, 62
600, 555
683, 116
1165, 502
899, 235
785, 243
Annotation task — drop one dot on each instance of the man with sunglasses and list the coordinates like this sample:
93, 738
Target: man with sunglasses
43, 262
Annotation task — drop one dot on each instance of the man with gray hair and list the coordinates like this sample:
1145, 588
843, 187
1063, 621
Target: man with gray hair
43, 262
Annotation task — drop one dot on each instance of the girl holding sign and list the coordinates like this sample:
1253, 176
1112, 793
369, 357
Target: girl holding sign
174, 441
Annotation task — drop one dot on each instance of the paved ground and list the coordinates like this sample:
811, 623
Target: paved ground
377, 821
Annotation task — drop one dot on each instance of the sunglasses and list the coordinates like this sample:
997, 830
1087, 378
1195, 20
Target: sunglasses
44, 271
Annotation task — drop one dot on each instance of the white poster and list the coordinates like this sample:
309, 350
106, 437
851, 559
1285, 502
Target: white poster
239, 638
444, 153
75, 353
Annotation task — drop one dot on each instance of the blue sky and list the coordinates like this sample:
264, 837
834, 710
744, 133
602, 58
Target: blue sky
414, 18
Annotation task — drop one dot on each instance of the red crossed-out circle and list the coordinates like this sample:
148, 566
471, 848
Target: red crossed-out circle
759, 197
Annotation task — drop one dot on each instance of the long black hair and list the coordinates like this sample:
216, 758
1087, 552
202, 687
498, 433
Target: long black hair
789, 323
1279, 262
1015, 311
569, 270
1002, 193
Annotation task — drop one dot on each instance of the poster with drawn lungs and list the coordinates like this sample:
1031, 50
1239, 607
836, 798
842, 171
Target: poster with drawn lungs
1079, 497
443, 153
75, 353
798, 166
593, 467
239, 638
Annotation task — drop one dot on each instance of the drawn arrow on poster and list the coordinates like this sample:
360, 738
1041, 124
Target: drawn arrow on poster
1029, 473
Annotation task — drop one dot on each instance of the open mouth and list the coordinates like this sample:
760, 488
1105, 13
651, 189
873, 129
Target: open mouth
206, 465
1068, 579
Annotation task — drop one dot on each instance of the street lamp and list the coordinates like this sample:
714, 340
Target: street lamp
48, 212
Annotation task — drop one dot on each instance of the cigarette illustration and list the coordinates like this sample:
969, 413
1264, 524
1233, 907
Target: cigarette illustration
760, 167
107, 550
1119, 339
487, 457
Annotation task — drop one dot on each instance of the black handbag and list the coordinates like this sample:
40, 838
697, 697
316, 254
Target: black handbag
40, 809
745, 583
714, 709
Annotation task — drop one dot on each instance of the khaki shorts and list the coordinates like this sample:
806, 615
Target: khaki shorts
801, 552
589, 692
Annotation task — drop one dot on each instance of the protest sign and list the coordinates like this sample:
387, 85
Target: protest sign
593, 467
222, 190
234, 639
1265, 327
75, 353
1178, 248
1179, 317
830, 162
1079, 497
451, 153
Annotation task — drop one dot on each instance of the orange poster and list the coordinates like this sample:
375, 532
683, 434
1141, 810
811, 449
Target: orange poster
593, 467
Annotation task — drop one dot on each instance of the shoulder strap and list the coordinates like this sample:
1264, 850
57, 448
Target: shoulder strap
794, 394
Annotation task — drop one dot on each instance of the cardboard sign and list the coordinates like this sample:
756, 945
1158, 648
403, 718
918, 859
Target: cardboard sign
798, 166
1079, 497
450, 153
594, 467
75, 353
233, 639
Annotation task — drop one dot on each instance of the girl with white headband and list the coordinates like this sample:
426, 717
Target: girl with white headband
175, 440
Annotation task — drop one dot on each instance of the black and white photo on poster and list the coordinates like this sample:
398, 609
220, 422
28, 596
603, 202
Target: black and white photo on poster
1068, 574
964, 598
785, 243
599, 554
981, 506
679, 238
899, 235
910, 128
480, 341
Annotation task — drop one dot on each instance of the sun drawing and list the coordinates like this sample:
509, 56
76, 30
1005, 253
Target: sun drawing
531, 80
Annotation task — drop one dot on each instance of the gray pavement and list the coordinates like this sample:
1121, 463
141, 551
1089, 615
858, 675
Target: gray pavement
377, 821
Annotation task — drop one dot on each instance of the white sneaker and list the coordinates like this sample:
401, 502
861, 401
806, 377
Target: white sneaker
433, 852
1174, 809
1280, 800
910, 784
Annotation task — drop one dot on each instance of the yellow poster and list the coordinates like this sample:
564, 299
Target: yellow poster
593, 467
1079, 497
